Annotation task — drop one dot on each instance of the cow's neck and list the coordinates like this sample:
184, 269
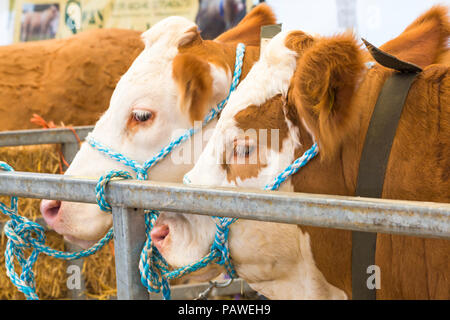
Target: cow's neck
250, 57
223, 55
300, 281
337, 176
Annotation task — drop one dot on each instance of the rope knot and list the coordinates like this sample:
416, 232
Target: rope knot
102, 182
25, 234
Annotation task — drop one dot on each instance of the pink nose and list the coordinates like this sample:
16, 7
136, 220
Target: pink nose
158, 234
50, 210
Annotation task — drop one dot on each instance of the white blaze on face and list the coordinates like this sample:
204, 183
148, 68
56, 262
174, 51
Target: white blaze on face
148, 92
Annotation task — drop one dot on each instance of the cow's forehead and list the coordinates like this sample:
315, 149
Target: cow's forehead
268, 79
151, 71
167, 31
161, 47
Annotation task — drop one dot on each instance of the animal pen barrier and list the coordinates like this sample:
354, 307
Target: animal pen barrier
129, 199
69, 147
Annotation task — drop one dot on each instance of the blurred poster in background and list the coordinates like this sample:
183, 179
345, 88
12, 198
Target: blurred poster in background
48, 19
39, 21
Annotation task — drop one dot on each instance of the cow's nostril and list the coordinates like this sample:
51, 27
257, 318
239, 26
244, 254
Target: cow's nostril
158, 234
49, 210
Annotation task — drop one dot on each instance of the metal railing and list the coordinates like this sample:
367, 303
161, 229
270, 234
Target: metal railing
129, 198
43, 136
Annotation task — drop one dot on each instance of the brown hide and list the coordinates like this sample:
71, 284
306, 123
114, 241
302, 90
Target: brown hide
250, 27
418, 169
191, 69
69, 80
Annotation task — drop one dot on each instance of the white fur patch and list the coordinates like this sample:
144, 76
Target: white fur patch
268, 77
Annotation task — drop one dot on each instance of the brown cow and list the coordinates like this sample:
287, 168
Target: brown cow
69, 80
319, 89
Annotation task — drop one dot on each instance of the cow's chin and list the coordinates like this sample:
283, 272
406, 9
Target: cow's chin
189, 239
84, 244
81, 224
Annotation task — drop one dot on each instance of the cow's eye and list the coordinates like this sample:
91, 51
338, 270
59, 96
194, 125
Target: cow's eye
140, 115
243, 149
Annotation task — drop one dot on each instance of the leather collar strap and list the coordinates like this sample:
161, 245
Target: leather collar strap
374, 159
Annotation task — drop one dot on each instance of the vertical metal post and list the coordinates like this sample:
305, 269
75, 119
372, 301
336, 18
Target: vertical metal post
69, 151
76, 293
129, 238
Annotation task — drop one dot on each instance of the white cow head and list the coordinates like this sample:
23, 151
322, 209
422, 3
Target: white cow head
175, 81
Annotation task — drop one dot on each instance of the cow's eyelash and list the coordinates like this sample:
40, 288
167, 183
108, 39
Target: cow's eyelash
243, 150
142, 115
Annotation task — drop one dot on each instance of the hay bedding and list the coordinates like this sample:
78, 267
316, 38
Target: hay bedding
51, 276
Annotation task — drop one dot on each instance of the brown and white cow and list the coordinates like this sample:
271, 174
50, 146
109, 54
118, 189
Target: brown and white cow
319, 89
175, 80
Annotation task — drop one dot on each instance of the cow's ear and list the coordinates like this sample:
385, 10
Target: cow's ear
425, 41
322, 88
249, 29
190, 37
194, 82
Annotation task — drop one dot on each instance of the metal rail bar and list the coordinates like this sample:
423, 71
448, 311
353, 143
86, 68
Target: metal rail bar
192, 291
69, 150
425, 219
42, 136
